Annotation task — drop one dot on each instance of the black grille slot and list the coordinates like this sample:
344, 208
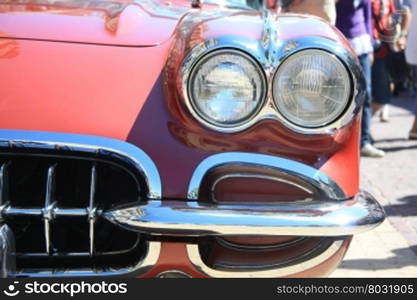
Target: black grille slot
54, 203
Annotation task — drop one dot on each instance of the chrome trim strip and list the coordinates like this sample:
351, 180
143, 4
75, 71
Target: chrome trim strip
88, 144
304, 218
150, 259
7, 252
79, 254
173, 274
281, 271
72, 212
4, 186
56, 211
311, 175
4, 197
15, 211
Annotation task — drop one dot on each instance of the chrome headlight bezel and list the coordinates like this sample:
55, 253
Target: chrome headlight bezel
270, 64
350, 87
199, 115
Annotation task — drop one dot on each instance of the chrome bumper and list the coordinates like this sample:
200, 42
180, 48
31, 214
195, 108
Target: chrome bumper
333, 214
304, 218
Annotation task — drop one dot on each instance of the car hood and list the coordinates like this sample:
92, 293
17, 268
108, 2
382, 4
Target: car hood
112, 22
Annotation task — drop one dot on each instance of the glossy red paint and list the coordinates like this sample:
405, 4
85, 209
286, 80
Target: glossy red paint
174, 257
115, 22
252, 189
76, 88
118, 91
272, 4
343, 165
108, 68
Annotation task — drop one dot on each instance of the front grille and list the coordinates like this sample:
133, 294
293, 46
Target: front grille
54, 200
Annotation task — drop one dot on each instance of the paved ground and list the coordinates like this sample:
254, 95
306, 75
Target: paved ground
391, 249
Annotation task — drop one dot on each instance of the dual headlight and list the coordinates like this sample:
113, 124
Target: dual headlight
227, 88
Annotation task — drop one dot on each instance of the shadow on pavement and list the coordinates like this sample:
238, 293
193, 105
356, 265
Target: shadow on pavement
391, 140
399, 148
401, 258
405, 102
406, 208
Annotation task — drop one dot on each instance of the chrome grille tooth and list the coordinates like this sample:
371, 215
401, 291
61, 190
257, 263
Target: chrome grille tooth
17, 211
47, 234
92, 210
91, 235
4, 187
48, 210
56, 212
70, 212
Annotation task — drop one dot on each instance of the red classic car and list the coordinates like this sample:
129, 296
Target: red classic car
159, 138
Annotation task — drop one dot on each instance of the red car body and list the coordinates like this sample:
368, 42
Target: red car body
110, 69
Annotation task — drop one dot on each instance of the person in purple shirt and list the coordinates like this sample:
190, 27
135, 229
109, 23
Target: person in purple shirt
354, 20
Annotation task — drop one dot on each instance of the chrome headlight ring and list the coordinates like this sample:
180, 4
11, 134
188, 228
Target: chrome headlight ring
347, 59
245, 48
226, 88
268, 109
300, 84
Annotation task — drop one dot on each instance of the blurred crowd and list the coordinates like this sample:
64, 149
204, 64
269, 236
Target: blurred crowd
384, 35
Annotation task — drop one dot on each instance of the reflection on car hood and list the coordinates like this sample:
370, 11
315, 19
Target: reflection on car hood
113, 22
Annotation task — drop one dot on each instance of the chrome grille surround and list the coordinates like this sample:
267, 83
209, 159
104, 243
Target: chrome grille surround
88, 144
12, 141
317, 179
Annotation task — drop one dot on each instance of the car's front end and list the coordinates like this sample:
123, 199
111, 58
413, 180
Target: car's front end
158, 140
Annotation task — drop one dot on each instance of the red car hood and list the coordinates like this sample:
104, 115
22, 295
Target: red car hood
113, 22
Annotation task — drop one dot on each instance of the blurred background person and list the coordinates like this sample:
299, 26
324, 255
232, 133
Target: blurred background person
322, 8
384, 34
411, 56
354, 20
398, 69
402, 21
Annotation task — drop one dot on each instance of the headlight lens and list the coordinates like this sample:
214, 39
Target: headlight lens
312, 88
226, 88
